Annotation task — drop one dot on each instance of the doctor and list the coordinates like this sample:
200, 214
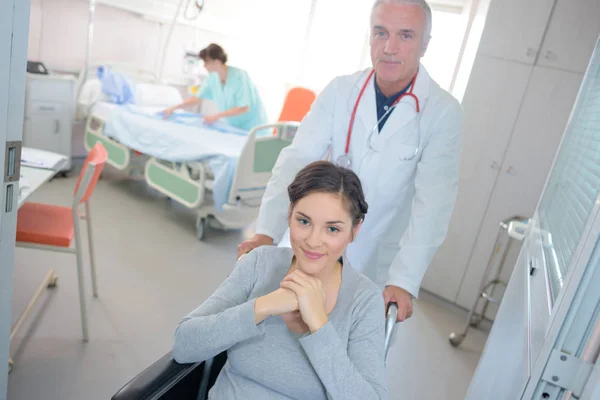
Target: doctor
401, 133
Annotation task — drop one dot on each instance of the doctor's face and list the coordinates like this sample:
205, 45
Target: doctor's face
397, 42
320, 229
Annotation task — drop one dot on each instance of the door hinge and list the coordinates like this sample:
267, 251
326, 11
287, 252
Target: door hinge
12, 161
567, 372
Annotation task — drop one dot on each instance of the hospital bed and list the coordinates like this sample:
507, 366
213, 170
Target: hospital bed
168, 380
221, 171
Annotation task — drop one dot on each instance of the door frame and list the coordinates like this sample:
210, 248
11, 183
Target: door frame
14, 35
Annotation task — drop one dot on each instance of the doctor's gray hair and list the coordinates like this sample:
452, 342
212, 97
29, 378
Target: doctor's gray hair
326, 177
421, 3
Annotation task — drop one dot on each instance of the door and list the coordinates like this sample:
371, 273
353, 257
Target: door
572, 32
514, 29
562, 265
533, 145
490, 111
507, 346
14, 31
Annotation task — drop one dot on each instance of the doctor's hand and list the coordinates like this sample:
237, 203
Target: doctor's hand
402, 298
311, 298
256, 241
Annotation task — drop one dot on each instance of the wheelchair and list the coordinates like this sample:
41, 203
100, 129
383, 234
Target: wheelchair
168, 380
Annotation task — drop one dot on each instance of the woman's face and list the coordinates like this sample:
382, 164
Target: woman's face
320, 230
210, 65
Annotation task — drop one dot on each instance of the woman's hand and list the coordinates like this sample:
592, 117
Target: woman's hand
278, 302
311, 298
167, 113
211, 119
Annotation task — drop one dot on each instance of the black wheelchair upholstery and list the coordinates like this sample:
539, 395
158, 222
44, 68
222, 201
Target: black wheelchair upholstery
166, 379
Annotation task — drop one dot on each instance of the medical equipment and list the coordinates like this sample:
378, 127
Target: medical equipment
345, 160
514, 229
166, 379
161, 59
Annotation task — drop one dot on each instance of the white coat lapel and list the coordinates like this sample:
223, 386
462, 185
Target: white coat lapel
406, 109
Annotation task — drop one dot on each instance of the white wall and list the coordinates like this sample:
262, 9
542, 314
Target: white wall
268, 38
58, 35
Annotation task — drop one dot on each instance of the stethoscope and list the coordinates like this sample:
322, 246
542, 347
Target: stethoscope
344, 160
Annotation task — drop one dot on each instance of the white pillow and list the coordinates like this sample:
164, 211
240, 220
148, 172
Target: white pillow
152, 94
91, 91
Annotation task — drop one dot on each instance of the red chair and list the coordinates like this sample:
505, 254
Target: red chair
50, 227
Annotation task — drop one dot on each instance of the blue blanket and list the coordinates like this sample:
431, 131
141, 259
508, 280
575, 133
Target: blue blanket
116, 86
182, 138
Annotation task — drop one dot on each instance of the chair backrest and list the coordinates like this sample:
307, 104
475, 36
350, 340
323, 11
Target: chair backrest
94, 163
297, 104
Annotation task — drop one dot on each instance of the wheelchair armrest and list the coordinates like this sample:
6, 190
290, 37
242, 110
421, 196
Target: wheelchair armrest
155, 380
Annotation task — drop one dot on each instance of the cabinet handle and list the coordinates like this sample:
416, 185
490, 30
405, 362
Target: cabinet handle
46, 108
56, 126
548, 55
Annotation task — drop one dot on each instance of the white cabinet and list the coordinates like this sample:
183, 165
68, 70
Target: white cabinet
571, 35
555, 33
516, 109
514, 29
539, 127
49, 107
486, 134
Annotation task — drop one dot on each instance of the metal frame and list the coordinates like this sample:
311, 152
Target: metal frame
474, 318
577, 292
50, 280
241, 208
564, 328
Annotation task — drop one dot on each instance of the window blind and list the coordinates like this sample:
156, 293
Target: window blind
574, 182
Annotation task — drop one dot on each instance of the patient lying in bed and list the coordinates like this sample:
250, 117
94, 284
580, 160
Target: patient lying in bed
299, 322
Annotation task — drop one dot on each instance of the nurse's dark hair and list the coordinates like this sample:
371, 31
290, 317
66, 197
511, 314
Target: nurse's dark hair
326, 177
213, 52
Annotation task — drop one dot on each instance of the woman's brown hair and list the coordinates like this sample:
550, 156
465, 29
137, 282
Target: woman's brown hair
213, 52
326, 177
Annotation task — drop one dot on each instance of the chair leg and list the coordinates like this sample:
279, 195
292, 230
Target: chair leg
82, 306
91, 245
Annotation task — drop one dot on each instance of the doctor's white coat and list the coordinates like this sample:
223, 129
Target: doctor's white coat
410, 202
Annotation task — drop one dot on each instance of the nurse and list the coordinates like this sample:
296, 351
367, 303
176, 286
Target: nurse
400, 133
236, 96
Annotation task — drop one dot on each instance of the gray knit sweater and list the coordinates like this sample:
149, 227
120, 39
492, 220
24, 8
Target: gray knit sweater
343, 360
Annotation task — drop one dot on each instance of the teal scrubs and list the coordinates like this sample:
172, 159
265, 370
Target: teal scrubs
238, 91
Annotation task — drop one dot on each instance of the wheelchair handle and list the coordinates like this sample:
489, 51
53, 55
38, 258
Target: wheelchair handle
390, 324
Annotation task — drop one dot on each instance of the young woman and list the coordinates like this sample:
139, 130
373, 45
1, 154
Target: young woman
231, 88
297, 323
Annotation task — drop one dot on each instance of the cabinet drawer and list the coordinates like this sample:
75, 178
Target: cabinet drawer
44, 107
50, 90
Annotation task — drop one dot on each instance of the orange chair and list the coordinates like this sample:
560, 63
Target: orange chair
49, 227
296, 104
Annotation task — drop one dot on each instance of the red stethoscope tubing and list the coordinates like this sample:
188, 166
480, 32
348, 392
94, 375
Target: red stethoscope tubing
362, 90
